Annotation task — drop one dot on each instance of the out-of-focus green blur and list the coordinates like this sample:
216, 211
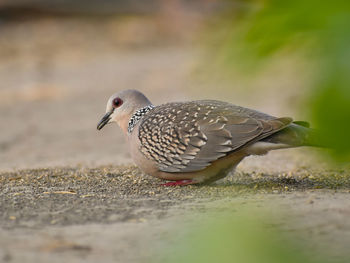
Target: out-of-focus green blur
244, 237
251, 34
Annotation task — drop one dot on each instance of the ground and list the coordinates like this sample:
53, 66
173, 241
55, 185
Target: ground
87, 213
70, 193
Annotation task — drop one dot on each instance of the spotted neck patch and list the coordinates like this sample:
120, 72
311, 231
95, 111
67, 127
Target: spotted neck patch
138, 116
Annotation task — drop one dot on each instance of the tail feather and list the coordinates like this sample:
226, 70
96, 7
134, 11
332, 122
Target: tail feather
296, 135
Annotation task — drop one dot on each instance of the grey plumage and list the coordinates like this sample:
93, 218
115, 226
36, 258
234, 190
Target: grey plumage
198, 141
187, 137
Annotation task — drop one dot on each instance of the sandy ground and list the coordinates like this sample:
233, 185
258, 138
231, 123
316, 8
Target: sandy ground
68, 192
116, 214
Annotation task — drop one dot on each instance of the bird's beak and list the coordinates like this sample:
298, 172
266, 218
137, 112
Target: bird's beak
105, 119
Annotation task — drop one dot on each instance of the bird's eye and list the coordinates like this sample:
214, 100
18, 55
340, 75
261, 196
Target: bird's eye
117, 102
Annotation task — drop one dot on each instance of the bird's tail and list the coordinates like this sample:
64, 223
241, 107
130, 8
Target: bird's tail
296, 134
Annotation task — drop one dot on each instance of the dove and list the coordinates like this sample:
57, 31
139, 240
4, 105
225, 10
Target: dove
198, 142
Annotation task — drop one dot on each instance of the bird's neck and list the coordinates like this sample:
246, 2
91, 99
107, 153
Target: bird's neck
137, 116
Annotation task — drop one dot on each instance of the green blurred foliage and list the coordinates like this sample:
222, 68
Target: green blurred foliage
243, 238
253, 32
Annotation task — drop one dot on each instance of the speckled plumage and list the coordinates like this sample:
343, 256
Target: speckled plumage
138, 115
187, 137
197, 141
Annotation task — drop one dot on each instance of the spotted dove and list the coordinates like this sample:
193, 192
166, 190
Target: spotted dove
197, 141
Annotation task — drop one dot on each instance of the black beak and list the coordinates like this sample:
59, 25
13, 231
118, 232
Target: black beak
105, 119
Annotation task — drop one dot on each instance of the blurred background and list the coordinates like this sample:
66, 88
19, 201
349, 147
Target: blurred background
61, 60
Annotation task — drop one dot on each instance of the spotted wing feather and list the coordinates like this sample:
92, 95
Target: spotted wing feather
188, 137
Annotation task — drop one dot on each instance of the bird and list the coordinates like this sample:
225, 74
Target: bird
198, 142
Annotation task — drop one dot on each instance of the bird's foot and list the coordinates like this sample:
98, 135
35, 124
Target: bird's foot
179, 183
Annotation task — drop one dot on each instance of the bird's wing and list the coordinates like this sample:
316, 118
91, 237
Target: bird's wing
188, 137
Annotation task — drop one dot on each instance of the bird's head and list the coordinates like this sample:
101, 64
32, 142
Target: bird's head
121, 106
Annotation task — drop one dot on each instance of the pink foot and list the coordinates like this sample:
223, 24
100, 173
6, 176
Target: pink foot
179, 183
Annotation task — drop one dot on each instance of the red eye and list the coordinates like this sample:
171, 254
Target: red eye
117, 102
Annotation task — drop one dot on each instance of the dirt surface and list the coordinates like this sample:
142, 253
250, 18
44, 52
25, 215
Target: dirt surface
80, 214
56, 77
66, 196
